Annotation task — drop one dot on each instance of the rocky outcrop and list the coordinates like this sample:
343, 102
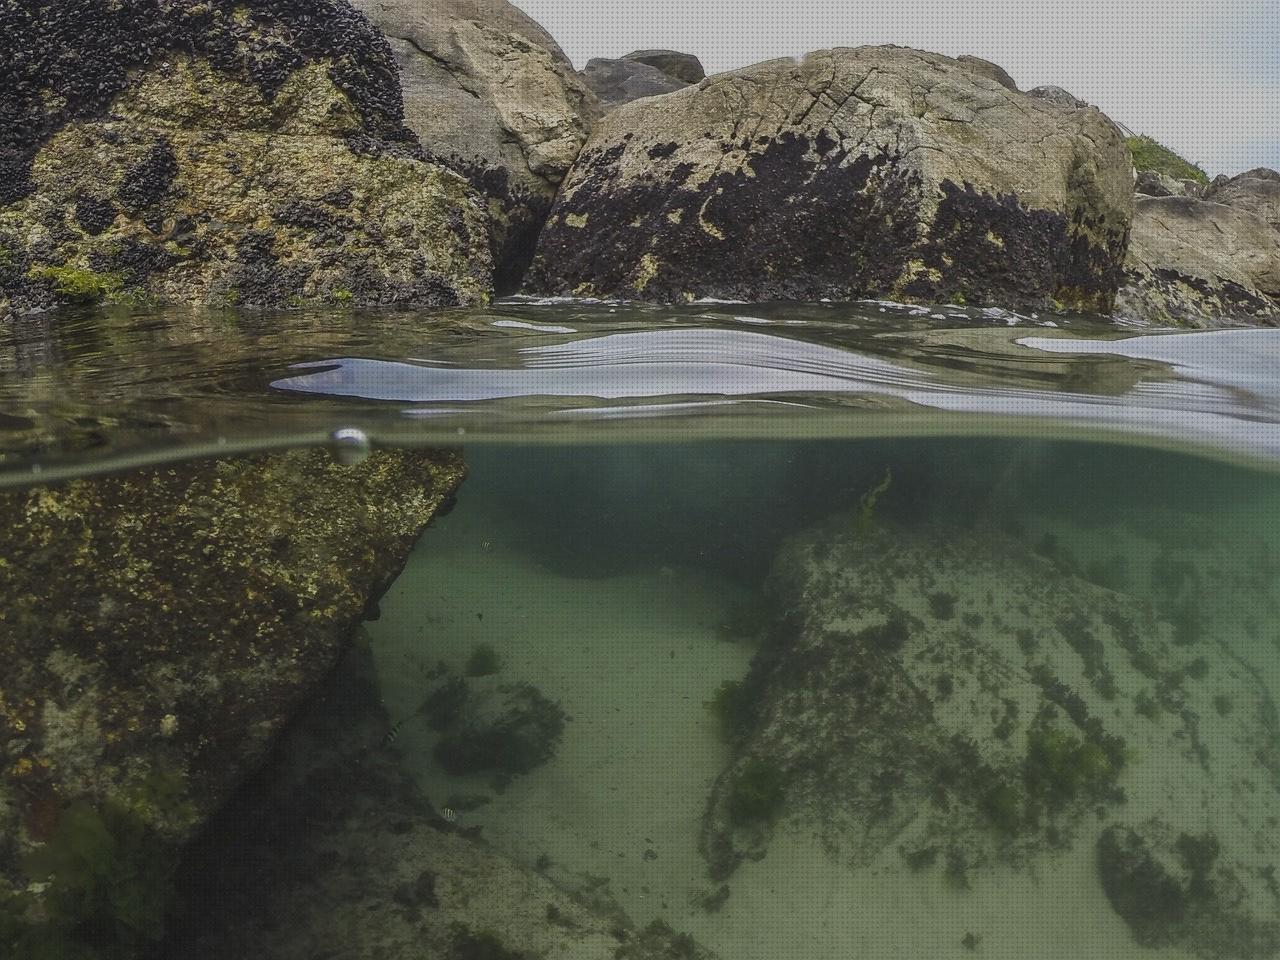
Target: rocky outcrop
491, 95
1256, 191
1151, 183
1058, 97
219, 154
877, 171
159, 628
985, 68
333, 849
1201, 263
947, 699
684, 67
617, 82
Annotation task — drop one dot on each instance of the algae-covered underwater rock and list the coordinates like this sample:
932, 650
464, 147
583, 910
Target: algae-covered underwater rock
876, 171
488, 726
158, 629
332, 850
222, 153
948, 699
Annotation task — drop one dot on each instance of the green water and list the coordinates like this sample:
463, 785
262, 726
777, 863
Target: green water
814, 631
630, 584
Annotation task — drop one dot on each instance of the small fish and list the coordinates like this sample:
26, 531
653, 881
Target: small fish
450, 814
394, 732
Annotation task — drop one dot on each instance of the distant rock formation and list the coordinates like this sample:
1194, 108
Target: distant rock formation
490, 94
877, 171
1205, 262
682, 66
945, 699
617, 82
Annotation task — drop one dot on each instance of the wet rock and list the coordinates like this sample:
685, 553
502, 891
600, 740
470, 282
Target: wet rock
992, 71
220, 154
1256, 191
490, 94
877, 171
616, 82
1201, 263
684, 67
1022, 714
160, 627
332, 849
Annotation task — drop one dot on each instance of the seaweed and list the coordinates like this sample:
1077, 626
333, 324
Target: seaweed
484, 661
734, 710
110, 885
758, 792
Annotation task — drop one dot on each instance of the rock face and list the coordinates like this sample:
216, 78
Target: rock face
334, 849
1201, 263
223, 154
1257, 191
616, 82
992, 71
159, 629
682, 66
877, 171
949, 699
490, 94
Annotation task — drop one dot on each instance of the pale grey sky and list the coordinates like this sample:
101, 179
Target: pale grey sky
1201, 76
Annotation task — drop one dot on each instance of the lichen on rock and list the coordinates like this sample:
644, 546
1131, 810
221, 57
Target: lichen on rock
876, 171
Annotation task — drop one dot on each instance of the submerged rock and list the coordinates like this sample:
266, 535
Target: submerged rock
491, 95
219, 153
332, 849
949, 699
1201, 263
616, 82
493, 727
877, 171
159, 628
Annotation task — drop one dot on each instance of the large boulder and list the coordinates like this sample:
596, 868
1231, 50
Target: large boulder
1201, 263
219, 153
949, 699
1257, 191
682, 66
616, 82
158, 629
490, 94
876, 171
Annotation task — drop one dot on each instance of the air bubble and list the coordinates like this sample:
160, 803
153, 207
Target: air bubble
350, 446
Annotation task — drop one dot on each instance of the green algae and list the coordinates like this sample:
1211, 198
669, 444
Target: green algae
82, 286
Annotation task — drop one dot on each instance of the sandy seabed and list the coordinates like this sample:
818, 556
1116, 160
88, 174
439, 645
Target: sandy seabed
633, 660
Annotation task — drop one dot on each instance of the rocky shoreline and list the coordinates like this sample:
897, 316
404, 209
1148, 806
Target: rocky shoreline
300, 152
166, 629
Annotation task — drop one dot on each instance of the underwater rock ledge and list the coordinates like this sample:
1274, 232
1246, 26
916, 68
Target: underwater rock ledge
159, 628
